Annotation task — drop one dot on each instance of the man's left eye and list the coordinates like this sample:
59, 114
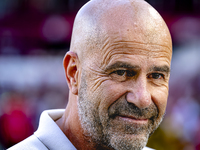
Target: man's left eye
156, 76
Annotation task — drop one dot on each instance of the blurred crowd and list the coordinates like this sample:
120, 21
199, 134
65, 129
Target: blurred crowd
35, 35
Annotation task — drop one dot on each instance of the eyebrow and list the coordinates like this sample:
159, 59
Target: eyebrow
120, 64
164, 68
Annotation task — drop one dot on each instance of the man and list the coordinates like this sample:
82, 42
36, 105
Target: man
117, 71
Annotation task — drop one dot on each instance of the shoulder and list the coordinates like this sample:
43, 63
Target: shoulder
31, 143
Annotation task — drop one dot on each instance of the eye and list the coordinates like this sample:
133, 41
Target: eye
122, 75
156, 76
128, 73
120, 72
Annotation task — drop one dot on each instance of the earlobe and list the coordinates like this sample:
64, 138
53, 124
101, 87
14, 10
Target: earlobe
70, 63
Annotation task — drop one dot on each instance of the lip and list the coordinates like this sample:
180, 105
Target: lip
133, 119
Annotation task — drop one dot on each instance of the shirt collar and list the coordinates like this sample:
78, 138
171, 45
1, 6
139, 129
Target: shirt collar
50, 134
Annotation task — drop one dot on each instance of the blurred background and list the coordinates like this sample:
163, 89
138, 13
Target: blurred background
34, 37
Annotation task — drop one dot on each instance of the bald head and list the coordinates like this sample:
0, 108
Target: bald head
127, 20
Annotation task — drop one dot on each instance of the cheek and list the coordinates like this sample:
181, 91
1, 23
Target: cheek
159, 97
109, 93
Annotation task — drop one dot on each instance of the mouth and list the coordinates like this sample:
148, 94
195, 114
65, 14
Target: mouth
132, 119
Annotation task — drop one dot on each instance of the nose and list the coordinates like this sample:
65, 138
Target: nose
139, 94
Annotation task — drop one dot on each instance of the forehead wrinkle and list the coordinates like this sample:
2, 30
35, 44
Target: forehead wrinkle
151, 50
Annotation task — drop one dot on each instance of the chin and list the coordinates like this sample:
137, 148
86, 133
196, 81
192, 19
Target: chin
129, 141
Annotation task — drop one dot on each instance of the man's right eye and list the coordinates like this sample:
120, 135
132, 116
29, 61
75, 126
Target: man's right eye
120, 72
122, 75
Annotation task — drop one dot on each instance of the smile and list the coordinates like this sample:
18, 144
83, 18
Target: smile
132, 119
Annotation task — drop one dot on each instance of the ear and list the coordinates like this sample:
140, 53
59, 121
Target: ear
71, 63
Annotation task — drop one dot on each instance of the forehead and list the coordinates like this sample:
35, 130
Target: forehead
122, 46
132, 35
132, 51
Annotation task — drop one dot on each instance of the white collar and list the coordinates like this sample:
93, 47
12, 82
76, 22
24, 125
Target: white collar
50, 134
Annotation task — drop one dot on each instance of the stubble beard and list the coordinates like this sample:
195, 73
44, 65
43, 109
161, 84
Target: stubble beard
102, 130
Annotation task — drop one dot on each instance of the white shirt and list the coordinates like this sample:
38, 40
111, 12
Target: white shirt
48, 135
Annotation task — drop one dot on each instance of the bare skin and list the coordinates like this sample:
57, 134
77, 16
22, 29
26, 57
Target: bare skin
117, 71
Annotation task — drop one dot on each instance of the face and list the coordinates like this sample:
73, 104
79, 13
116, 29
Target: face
123, 92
